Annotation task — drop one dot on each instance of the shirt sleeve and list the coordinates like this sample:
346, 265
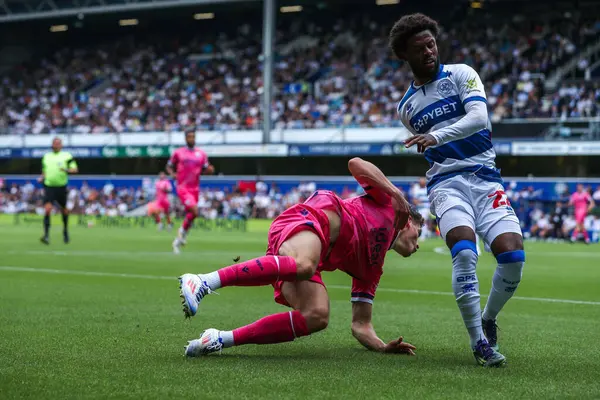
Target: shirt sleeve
363, 290
472, 95
470, 87
71, 163
376, 194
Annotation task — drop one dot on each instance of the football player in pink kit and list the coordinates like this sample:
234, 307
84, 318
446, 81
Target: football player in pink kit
190, 162
161, 204
583, 203
324, 233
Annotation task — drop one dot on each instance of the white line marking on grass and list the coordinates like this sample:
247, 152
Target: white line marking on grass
162, 277
131, 253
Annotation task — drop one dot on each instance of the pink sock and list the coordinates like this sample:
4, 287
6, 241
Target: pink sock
276, 328
586, 236
187, 222
259, 271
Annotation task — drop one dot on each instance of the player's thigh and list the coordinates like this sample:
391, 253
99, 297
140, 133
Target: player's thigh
305, 247
451, 205
311, 299
496, 221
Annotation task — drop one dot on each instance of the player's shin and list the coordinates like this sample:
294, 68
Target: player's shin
46, 225
187, 222
65, 219
505, 281
257, 272
276, 328
466, 287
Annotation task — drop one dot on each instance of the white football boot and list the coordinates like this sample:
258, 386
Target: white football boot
192, 289
210, 342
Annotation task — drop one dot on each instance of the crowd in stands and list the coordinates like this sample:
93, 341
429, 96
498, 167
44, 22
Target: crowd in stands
339, 73
540, 219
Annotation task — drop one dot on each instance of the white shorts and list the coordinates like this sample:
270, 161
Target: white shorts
467, 200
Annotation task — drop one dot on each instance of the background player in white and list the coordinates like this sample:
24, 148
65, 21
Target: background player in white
446, 110
420, 199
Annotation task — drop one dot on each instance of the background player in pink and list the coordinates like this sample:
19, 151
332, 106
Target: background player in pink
323, 234
161, 204
190, 162
583, 203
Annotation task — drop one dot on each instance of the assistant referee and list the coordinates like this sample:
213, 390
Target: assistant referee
56, 167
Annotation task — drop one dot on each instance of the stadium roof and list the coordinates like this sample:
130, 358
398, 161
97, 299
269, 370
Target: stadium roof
22, 10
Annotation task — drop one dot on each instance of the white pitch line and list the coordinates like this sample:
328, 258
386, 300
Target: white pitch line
162, 277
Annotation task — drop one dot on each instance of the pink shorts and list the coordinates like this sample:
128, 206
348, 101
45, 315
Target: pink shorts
164, 205
189, 197
296, 219
580, 216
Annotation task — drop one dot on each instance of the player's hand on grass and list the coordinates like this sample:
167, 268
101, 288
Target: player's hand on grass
422, 141
398, 346
401, 210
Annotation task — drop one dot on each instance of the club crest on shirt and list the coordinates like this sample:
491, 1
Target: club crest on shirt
444, 87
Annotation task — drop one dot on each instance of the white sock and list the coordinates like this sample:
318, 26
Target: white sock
213, 280
504, 283
466, 287
226, 338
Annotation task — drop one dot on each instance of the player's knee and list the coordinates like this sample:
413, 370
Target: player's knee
306, 267
317, 318
507, 242
464, 253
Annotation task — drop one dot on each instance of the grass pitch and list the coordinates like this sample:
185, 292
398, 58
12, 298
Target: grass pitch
101, 318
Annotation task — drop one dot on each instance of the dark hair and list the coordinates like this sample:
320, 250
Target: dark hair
416, 216
408, 26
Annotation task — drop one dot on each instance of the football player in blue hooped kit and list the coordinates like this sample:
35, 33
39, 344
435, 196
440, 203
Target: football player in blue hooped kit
445, 108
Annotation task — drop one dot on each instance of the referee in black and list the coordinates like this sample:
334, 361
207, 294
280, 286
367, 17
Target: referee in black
56, 167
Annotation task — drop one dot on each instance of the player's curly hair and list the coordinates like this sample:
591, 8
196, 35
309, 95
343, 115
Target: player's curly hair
406, 27
415, 216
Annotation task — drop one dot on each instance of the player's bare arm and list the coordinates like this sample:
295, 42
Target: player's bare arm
208, 170
592, 205
363, 331
170, 170
368, 175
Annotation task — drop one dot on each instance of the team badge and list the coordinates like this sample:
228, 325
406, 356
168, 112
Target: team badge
444, 87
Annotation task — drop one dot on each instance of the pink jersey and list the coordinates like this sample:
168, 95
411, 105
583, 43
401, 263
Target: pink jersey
163, 187
366, 234
581, 201
189, 164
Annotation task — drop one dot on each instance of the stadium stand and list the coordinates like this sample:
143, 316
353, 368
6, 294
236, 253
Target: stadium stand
329, 72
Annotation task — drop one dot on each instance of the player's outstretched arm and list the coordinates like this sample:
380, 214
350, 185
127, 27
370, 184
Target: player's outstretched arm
380, 188
362, 330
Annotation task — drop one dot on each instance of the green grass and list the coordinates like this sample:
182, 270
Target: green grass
72, 335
